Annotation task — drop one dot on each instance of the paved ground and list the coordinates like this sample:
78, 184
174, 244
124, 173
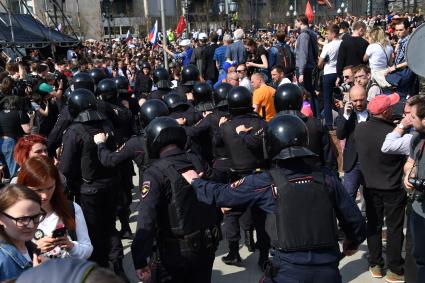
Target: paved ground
353, 269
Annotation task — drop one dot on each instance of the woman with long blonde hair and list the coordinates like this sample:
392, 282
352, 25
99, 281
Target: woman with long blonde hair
379, 54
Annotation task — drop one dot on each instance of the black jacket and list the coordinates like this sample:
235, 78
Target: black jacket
380, 171
345, 130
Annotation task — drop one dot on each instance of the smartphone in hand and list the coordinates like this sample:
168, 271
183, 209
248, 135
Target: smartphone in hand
59, 232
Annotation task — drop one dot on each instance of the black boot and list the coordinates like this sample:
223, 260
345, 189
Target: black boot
249, 240
233, 258
119, 270
263, 259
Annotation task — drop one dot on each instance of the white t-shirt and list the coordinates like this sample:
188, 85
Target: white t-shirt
330, 50
377, 58
82, 247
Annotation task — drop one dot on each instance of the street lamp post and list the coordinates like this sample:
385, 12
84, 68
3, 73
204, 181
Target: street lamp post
107, 15
228, 8
186, 5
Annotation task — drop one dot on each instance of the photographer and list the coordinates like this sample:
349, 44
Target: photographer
414, 170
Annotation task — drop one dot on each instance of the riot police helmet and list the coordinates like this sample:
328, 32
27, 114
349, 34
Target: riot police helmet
288, 97
189, 75
151, 109
202, 92
97, 75
81, 100
220, 94
175, 100
163, 131
107, 90
122, 83
161, 78
82, 80
66, 94
146, 65
239, 100
286, 136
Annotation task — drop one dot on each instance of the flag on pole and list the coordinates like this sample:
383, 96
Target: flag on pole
309, 12
153, 34
181, 26
128, 36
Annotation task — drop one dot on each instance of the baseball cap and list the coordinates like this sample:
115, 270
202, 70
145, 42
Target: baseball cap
184, 42
202, 36
381, 103
45, 88
228, 64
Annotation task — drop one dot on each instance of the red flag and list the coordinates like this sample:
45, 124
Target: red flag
309, 12
180, 26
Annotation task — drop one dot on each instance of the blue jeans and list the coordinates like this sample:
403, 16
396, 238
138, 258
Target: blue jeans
352, 180
7, 146
327, 91
417, 227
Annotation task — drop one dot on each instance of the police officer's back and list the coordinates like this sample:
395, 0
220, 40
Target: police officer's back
91, 183
301, 200
186, 242
161, 78
243, 147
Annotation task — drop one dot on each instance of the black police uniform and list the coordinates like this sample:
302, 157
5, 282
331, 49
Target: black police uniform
301, 200
93, 185
169, 212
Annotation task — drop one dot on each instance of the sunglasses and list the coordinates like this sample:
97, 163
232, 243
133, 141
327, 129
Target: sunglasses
240, 71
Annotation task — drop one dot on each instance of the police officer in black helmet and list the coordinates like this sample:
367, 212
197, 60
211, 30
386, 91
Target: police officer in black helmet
169, 211
189, 76
302, 202
208, 126
135, 148
124, 126
241, 135
144, 83
79, 81
97, 74
288, 99
93, 185
181, 109
161, 78
124, 96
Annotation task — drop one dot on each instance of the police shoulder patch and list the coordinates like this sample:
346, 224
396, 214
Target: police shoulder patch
144, 190
237, 183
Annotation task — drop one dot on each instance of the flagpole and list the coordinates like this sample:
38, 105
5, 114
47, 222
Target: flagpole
164, 40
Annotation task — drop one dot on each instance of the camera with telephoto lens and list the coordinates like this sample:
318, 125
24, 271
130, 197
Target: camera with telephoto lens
418, 184
339, 91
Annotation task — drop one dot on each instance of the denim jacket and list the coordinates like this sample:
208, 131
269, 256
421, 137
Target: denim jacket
12, 262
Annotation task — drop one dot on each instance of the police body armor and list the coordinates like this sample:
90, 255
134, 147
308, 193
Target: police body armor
185, 214
304, 219
243, 159
91, 168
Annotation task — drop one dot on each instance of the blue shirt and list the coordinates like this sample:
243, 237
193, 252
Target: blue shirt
273, 52
12, 262
220, 56
185, 56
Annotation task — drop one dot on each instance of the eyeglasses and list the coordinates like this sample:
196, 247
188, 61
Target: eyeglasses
25, 221
240, 71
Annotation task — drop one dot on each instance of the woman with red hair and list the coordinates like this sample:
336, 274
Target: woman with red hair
41, 175
29, 146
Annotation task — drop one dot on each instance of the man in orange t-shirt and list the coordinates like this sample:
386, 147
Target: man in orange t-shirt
263, 97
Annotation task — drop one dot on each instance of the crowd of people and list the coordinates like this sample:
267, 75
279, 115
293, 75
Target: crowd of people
271, 134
